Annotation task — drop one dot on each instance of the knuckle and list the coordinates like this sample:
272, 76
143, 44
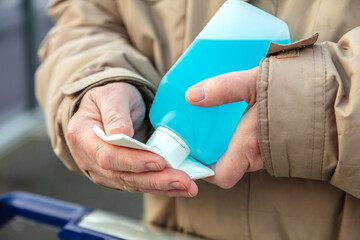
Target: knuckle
227, 184
103, 90
71, 131
170, 177
112, 116
117, 177
253, 145
103, 159
126, 126
154, 183
122, 162
220, 79
129, 179
82, 164
253, 151
126, 163
222, 87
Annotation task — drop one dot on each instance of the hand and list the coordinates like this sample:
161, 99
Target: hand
243, 153
119, 108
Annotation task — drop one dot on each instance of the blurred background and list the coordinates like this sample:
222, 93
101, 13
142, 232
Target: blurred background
27, 161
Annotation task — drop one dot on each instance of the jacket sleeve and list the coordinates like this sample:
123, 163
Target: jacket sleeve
88, 47
309, 112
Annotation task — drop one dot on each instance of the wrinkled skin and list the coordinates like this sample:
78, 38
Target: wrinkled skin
119, 108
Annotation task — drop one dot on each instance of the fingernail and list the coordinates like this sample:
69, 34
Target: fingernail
151, 166
190, 194
177, 185
196, 94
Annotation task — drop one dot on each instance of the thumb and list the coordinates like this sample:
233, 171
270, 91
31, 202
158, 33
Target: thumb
117, 120
115, 112
225, 88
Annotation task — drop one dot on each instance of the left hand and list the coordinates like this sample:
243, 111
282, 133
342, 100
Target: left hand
243, 153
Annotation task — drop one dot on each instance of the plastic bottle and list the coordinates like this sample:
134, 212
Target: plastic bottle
235, 39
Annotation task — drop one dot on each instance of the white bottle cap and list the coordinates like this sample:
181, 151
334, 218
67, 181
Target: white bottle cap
169, 145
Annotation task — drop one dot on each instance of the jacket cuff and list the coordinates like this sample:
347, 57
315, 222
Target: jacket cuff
291, 99
80, 87
76, 90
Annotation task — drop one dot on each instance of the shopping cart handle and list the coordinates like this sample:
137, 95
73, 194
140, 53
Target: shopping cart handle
39, 209
49, 211
76, 222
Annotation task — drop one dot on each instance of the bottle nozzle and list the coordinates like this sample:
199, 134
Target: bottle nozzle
169, 145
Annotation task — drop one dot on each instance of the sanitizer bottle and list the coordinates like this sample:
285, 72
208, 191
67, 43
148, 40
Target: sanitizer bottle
235, 39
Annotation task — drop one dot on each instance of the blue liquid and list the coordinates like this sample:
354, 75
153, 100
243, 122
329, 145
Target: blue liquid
206, 130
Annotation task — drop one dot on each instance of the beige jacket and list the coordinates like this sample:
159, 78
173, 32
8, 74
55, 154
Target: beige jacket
308, 114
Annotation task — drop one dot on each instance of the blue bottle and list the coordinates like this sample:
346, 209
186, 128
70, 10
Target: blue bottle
235, 39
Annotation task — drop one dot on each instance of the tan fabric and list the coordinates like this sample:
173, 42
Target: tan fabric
308, 118
284, 50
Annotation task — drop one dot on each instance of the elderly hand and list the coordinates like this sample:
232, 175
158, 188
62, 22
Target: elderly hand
243, 153
119, 108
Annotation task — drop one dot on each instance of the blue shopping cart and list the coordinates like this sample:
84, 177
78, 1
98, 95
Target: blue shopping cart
76, 222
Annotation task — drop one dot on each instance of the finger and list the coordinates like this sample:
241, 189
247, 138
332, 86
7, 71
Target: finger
121, 106
225, 88
101, 178
228, 171
242, 155
191, 192
167, 179
116, 158
107, 156
117, 119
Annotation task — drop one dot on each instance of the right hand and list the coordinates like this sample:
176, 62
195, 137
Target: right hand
119, 108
